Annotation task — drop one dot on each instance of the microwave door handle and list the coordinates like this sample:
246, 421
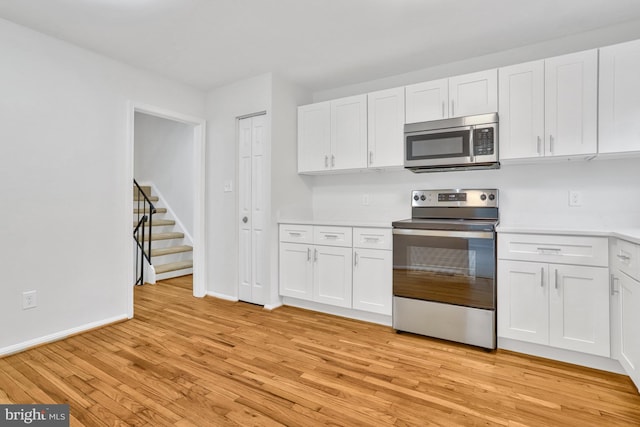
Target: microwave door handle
471, 159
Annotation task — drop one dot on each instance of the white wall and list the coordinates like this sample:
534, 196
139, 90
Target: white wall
291, 193
64, 166
164, 156
529, 194
223, 106
573, 43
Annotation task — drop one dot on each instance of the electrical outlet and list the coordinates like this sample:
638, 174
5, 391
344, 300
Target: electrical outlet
29, 299
575, 198
228, 186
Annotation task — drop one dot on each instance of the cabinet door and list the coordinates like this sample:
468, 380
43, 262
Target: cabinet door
579, 309
332, 275
619, 115
521, 110
296, 270
372, 289
523, 305
386, 128
630, 327
314, 136
427, 101
349, 133
571, 94
475, 93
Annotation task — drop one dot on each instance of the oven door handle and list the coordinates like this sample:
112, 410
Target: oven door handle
446, 233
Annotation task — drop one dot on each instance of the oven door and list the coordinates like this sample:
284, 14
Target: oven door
451, 267
439, 147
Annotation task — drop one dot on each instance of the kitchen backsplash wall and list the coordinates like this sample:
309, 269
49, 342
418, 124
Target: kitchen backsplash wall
531, 195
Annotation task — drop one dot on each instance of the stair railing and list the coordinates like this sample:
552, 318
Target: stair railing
144, 206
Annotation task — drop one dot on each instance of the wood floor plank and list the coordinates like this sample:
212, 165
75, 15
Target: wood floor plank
188, 361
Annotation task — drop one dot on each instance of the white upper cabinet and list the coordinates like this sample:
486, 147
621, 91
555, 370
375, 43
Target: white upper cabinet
549, 108
427, 101
332, 135
620, 98
348, 133
385, 128
475, 93
571, 104
468, 94
521, 110
314, 136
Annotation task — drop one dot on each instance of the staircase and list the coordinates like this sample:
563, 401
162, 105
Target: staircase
171, 253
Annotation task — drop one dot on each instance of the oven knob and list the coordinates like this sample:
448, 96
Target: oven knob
483, 197
416, 197
423, 198
492, 197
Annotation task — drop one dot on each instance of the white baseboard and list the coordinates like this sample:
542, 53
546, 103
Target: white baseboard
568, 356
25, 345
222, 296
365, 316
272, 306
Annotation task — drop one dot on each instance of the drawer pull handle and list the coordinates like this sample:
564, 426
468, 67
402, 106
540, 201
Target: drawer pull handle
612, 284
623, 257
556, 278
331, 236
294, 234
549, 249
542, 277
371, 239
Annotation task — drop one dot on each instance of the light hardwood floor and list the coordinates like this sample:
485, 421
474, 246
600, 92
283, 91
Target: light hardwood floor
206, 362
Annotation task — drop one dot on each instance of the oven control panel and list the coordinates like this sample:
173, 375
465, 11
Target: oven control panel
455, 198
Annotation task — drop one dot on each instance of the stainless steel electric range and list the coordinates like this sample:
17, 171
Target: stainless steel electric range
444, 266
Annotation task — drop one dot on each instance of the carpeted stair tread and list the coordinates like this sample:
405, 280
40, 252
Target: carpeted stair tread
173, 266
158, 223
170, 250
164, 236
146, 210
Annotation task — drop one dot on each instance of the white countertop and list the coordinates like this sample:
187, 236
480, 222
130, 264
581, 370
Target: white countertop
337, 223
630, 234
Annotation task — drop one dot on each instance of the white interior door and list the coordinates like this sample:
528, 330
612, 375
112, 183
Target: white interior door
252, 194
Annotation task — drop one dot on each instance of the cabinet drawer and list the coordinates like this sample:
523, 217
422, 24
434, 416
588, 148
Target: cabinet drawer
332, 236
580, 250
294, 233
372, 238
626, 258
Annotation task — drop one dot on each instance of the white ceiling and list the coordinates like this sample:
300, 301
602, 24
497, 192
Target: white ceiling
319, 44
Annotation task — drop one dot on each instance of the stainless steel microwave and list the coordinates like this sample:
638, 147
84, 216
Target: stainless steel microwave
460, 143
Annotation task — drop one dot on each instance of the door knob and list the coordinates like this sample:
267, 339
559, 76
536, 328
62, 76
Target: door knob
245, 219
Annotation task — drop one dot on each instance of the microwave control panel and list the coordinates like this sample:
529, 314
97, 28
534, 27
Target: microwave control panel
483, 141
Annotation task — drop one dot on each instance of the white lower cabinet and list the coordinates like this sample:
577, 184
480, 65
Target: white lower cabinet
339, 266
625, 292
372, 275
630, 327
560, 305
296, 270
317, 273
332, 275
523, 301
579, 309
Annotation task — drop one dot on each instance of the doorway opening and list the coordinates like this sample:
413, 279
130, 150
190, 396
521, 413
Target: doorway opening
166, 156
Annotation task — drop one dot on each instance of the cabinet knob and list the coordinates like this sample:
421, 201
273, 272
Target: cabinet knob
245, 219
